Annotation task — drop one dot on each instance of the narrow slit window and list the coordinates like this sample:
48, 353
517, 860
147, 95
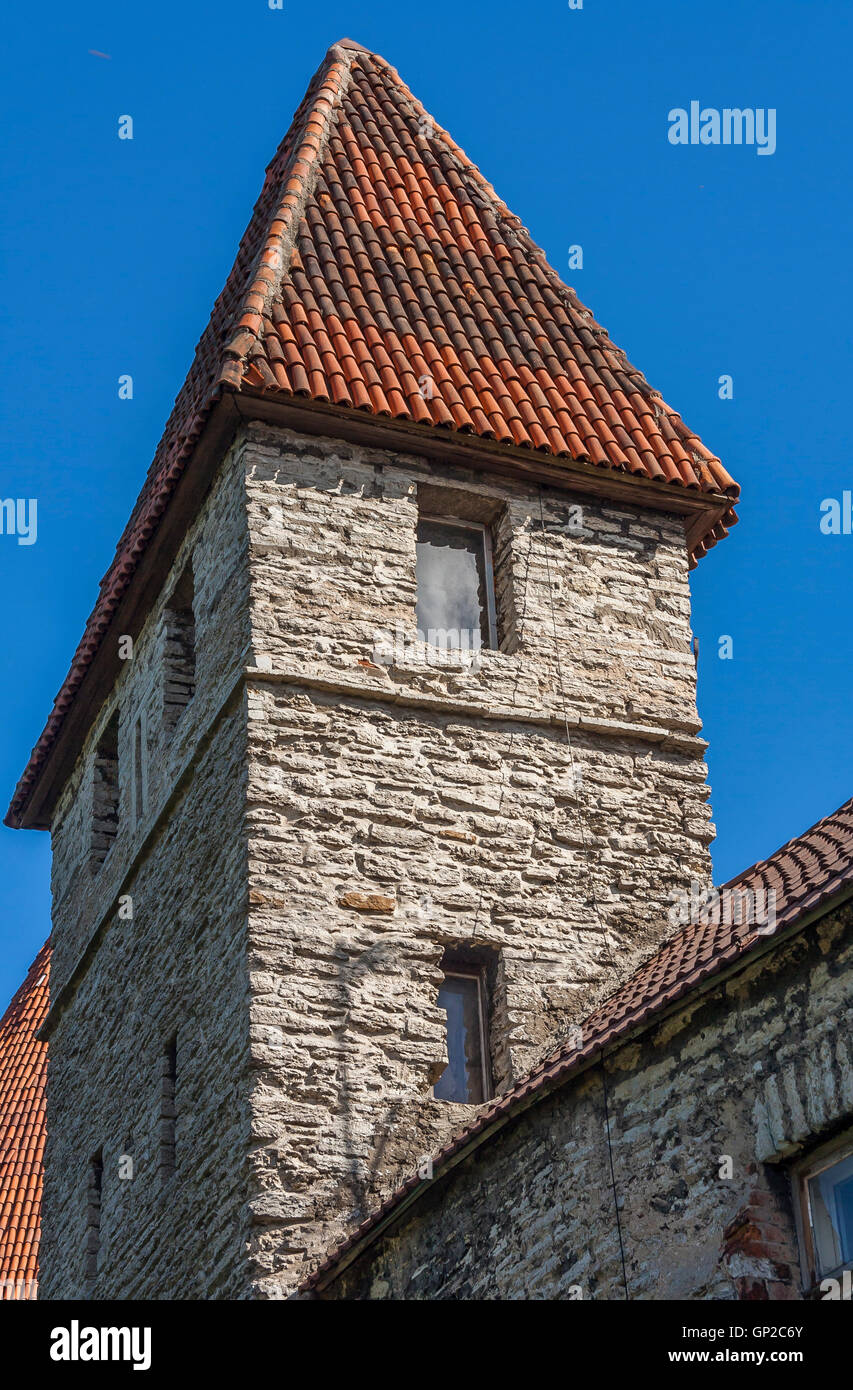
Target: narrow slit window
168, 1110
105, 794
140, 771
455, 584
180, 652
466, 1076
93, 1214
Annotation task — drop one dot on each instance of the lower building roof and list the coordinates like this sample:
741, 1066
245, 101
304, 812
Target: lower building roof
23, 1069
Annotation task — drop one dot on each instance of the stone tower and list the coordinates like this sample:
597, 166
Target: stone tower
378, 761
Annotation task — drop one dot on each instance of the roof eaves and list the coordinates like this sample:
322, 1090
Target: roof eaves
230, 356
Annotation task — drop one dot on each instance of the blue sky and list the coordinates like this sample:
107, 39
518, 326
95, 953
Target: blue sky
701, 261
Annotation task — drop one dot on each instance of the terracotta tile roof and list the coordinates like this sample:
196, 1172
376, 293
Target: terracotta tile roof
380, 273
407, 267
23, 1065
804, 874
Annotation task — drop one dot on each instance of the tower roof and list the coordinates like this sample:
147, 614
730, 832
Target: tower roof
381, 278
390, 263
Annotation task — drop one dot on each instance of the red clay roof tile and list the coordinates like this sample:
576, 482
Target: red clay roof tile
373, 226
23, 1066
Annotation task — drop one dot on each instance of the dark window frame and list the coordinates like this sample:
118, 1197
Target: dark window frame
483, 529
459, 969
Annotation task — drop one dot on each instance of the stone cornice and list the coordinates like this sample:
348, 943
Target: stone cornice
675, 735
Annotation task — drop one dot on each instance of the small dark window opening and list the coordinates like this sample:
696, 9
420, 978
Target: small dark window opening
168, 1110
455, 584
463, 996
140, 797
179, 655
105, 794
93, 1213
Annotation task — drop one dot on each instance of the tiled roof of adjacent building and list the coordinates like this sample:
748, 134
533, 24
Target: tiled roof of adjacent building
803, 875
381, 276
23, 1065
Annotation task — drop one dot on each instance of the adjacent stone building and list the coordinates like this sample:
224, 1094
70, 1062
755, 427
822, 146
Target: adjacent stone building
378, 766
692, 1141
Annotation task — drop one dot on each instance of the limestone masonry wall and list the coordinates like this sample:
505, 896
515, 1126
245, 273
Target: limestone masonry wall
398, 806
177, 967
309, 810
759, 1069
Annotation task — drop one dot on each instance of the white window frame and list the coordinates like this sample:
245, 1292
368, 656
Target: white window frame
459, 972
811, 1166
488, 559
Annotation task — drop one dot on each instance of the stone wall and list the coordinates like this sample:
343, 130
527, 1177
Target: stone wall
759, 1069
175, 969
325, 809
398, 806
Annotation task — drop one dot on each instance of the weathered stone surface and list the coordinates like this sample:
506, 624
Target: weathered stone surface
367, 902
177, 966
532, 1215
452, 793
302, 757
